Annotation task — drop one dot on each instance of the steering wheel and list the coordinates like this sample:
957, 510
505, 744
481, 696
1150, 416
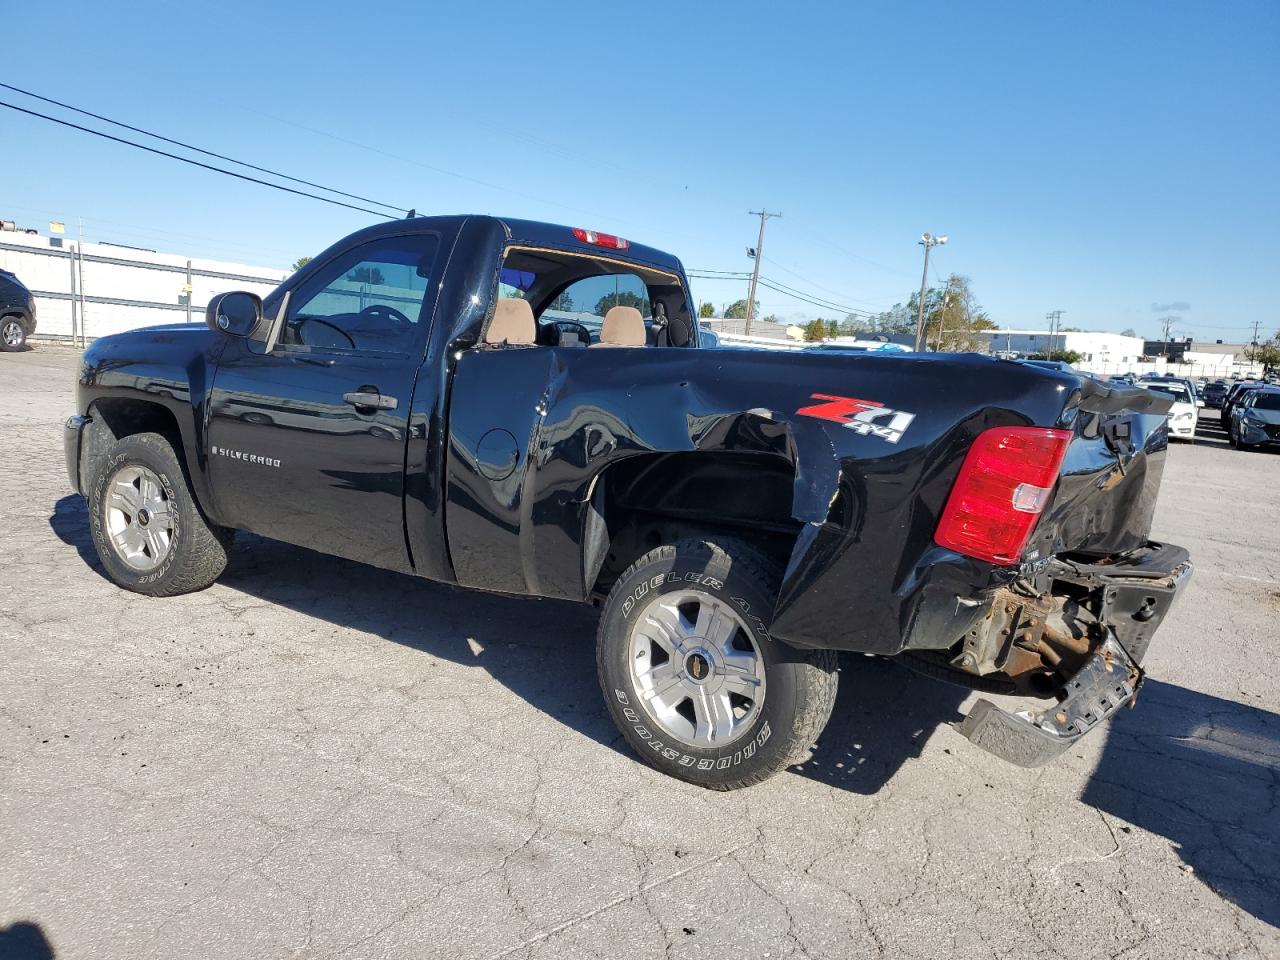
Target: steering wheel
303, 321
579, 329
383, 310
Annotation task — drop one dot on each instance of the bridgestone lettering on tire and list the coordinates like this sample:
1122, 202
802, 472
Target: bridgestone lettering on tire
191, 554
693, 678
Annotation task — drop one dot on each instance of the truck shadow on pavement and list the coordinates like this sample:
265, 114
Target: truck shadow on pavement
24, 940
1204, 773
544, 650
884, 715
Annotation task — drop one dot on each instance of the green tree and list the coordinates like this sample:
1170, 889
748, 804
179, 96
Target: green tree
1066, 356
953, 318
300, 263
901, 319
1128, 332
815, 330
369, 275
705, 310
833, 328
738, 310
1266, 353
623, 299
564, 303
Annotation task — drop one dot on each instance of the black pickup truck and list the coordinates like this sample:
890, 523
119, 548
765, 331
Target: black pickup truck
525, 408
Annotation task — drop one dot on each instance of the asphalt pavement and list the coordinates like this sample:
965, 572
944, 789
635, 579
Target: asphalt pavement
318, 759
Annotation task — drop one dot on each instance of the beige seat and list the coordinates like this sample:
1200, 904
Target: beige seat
622, 327
512, 323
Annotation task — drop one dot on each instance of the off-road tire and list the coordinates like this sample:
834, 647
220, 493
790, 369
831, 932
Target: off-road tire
198, 551
800, 685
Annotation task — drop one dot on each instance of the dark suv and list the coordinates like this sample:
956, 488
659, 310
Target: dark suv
1215, 393
17, 312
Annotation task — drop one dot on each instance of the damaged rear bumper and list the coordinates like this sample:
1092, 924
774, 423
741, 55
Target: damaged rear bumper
1137, 593
1108, 680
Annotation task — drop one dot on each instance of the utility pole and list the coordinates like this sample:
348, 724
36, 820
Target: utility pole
1168, 327
1055, 323
755, 269
928, 241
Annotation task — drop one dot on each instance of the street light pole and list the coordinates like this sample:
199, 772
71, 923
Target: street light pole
927, 240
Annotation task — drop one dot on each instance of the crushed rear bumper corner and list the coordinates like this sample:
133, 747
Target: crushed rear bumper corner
1108, 680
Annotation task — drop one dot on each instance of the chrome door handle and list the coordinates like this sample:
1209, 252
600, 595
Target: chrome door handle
375, 400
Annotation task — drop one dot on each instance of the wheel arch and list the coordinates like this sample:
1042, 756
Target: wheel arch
112, 418
652, 499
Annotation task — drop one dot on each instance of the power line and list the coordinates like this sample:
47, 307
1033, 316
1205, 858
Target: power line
779, 287
815, 283
764, 282
194, 163
820, 300
207, 153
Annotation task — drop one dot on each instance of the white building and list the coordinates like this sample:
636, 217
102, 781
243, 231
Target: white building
123, 287
1107, 353
1113, 350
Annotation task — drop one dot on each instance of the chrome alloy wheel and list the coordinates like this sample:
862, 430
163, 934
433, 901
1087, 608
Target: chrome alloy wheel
11, 332
696, 668
139, 518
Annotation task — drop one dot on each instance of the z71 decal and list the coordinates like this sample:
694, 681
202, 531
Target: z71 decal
864, 417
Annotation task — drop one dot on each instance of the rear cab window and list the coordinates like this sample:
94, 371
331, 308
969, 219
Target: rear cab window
570, 295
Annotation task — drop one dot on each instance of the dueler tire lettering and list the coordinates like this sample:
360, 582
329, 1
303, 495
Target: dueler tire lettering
800, 685
198, 553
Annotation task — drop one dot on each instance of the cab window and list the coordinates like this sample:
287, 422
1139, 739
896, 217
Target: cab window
369, 299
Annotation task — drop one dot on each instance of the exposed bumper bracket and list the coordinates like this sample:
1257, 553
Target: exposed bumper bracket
1108, 680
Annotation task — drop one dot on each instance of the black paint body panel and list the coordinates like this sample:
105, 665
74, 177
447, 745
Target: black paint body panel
492, 469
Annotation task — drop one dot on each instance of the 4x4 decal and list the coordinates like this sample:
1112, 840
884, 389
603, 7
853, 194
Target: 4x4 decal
865, 417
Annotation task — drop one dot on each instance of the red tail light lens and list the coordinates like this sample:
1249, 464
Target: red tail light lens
597, 239
1003, 486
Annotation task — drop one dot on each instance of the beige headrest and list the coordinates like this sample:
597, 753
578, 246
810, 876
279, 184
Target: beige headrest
512, 322
622, 327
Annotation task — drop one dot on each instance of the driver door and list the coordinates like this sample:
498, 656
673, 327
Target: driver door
307, 440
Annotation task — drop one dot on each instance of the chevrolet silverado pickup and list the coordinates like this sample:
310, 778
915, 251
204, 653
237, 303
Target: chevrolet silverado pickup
527, 408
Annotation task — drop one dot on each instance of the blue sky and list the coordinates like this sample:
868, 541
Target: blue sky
1112, 160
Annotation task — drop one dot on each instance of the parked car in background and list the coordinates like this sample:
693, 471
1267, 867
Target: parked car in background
1214, 394
1127, 378
1187, 382
17, 312
1234, 396
1182, 415
1255, 420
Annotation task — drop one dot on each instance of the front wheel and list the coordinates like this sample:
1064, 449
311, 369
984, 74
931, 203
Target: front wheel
693, 678
13, 335
147, 528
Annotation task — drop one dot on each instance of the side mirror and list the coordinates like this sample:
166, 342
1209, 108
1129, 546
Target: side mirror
237, 314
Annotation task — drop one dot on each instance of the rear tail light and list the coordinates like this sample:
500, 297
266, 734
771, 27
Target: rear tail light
597, 239
1003, 487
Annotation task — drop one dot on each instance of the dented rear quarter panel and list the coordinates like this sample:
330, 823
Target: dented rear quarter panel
864, 573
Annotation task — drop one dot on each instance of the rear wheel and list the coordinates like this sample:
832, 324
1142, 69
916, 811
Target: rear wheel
13, 335
147, 528
691, 675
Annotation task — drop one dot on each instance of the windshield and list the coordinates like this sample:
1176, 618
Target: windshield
1267, 401
1175, 390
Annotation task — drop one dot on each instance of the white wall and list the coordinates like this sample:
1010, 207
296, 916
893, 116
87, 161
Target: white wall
123, 288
